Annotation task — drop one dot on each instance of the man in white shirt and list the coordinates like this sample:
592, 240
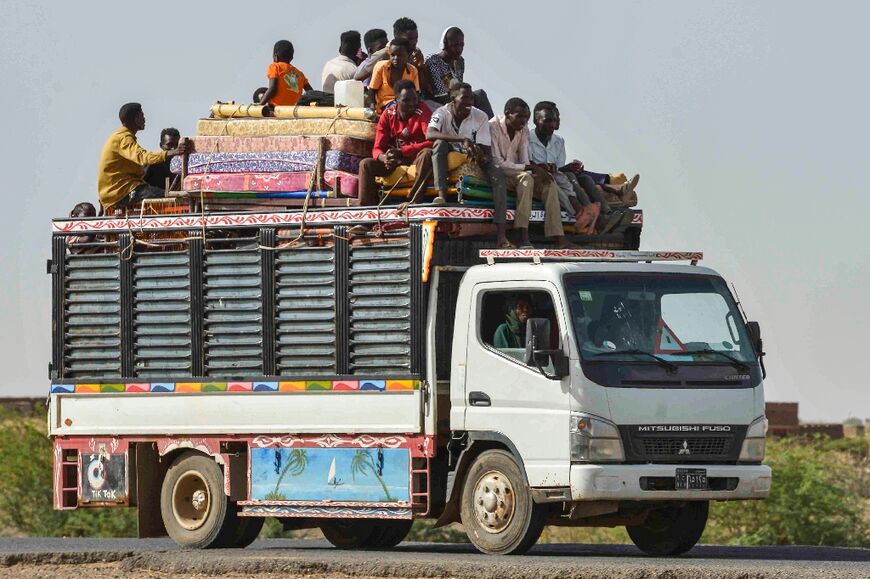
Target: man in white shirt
459, 126
510, 153
343, 66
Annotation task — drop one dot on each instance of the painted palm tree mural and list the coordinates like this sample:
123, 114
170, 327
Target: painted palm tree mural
362, 463
296, 463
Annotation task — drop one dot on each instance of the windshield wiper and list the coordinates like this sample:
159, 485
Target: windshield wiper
741, 366
671, 368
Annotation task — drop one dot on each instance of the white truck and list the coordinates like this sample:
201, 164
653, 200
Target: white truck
236, 367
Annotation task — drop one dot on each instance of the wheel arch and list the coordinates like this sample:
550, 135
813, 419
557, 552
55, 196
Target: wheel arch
477, 443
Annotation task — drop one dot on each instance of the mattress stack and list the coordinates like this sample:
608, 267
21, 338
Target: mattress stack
240, 160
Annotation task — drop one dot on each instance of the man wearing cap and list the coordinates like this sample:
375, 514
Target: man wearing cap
120, 180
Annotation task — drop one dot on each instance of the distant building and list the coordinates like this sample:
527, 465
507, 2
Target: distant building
782, 418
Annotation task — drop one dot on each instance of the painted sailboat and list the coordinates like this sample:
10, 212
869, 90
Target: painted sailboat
331, 479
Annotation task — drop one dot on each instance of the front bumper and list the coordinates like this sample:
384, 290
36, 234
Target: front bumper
592, 482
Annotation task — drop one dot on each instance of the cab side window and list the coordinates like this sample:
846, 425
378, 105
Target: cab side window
503, 315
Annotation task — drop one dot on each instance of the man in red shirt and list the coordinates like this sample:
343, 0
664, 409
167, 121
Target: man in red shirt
400, 140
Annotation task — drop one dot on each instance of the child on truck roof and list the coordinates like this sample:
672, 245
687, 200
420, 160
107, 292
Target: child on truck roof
286, 82
75, 242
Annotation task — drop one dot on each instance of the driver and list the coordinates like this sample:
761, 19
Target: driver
622, 330
512, 333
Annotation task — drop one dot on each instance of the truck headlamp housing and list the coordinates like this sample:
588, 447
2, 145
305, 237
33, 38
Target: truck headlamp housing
754, 444
594, 439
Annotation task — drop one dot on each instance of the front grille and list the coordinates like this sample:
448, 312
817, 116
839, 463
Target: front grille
682, 447
661, 446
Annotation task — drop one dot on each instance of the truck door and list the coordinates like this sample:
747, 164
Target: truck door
503, 395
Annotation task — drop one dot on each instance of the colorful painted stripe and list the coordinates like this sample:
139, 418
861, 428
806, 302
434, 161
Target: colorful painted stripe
221, 387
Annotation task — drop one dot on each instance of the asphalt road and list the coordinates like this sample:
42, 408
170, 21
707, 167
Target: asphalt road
419, 560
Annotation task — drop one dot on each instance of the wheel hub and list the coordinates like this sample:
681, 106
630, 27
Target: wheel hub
190, 500
198, 500
494, 501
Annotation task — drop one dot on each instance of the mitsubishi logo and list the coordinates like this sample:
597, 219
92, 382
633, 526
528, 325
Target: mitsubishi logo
685, 448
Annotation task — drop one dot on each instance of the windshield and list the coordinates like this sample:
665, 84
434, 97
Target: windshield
677, 318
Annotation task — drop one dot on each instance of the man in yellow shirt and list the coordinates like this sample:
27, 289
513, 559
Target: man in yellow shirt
122, 162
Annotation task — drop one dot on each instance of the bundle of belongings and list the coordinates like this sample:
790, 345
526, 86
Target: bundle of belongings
240, 160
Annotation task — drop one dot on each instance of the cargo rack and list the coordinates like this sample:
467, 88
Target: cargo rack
539, 255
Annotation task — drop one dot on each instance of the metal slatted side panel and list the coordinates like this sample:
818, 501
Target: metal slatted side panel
92, 316
380, 308
233, 314
305, 306
161, 314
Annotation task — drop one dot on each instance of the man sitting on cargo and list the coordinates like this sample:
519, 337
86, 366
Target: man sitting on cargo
623, 187
159, 175
376, 44
122, 162
286, 82
459, 126
400, 140
343, 66
510, 152
406, 28
388, 72
447, 68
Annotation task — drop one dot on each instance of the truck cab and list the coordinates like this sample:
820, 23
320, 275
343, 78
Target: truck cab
625, 393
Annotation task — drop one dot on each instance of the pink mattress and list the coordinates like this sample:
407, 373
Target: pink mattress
358, 147
267, 182
349, 182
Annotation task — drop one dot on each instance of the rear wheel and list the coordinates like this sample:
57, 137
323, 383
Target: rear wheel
388, 533
671, 530
497, 510
194, 507
348, 533
246, 531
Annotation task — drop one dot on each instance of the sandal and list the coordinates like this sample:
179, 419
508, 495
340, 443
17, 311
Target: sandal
506, 245
439, 201
526, 246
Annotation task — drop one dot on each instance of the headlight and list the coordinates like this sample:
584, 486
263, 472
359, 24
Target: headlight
594, 440
753, 445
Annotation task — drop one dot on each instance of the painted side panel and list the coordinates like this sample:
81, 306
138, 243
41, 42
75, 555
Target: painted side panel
335, 475
228, 412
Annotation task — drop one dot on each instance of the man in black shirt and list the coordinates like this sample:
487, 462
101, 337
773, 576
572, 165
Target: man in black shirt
157, 175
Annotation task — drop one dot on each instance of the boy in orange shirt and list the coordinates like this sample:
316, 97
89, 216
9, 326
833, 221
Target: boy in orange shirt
388, 72
286, 82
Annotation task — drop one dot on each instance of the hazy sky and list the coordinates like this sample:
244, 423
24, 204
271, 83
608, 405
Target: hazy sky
747, 121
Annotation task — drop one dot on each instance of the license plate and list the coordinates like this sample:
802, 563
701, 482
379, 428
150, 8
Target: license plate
691, 479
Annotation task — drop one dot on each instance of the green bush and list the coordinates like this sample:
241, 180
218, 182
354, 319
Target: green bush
26, 500
818, 497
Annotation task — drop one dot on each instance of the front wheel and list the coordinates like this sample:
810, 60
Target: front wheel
671, 530
498, 513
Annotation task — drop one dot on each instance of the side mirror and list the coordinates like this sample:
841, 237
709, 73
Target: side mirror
754, 330
539, 352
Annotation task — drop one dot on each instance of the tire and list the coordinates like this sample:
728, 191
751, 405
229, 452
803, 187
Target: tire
196, 511
497, 510
347, 533
246, 532
672, 530
388, 533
